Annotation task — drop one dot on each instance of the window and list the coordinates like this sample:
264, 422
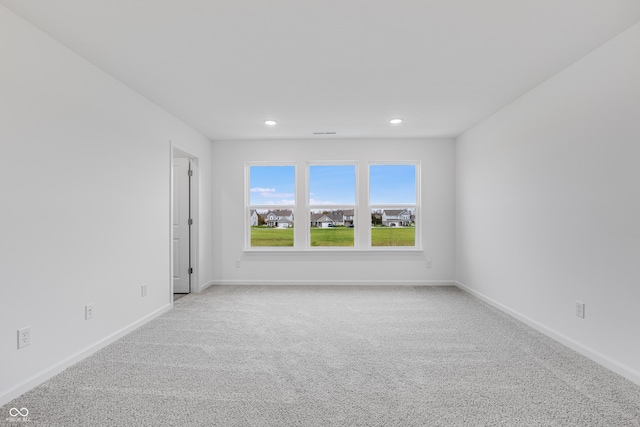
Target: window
393, 204
332, 203
271, 205
331, 212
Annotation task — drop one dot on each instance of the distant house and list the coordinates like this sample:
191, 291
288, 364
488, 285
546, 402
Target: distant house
337, 217
322, 220
347, 217
282, 218
253, 218
334, 218
396, 218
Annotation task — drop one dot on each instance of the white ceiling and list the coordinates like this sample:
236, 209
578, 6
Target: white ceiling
224, 66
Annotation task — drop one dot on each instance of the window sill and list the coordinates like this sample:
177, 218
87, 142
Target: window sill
331, 251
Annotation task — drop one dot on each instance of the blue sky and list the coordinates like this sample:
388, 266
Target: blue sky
275, 185
272, 185
332, 185
392, 184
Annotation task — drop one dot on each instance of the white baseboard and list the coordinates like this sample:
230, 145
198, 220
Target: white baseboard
336, 282
48, 373
204, 286
606, 361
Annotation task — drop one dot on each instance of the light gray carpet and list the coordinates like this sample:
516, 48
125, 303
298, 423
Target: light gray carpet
333, 356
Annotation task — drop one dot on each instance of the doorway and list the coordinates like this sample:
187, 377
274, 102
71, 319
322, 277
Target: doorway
184, 202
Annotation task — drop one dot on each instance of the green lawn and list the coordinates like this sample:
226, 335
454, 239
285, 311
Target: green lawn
393, 236
336, 236
271, 236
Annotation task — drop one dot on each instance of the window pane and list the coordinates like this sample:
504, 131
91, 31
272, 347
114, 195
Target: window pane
332, 185
271, 227
272, 185
332, 227
392, 184
393, 227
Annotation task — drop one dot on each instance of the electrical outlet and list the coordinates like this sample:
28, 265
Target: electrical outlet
143, 290
24, 337
580, 309
238, 264
428, 263
88, 311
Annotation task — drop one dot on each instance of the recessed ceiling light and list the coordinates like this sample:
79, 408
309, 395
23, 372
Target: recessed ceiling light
395, 121
270, 122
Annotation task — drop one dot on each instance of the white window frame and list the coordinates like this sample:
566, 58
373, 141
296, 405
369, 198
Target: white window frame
362, 208
249, 206
308, 206
383, 206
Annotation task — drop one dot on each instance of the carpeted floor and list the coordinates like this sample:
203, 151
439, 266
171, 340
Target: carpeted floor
333, 356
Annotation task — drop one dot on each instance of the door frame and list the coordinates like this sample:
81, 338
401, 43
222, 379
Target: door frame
180, 152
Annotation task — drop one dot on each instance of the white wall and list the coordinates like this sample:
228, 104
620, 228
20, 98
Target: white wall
85, 184
437, 158
548, 205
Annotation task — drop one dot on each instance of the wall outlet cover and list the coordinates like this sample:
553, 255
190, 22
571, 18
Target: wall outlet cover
580, 309
88, 311
24, 337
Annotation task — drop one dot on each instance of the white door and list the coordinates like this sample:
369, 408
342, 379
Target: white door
181, 227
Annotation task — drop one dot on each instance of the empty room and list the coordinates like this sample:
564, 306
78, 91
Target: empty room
320, 213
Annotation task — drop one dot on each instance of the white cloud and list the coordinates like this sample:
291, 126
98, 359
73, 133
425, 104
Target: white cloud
270, 193
320, 202
276, 195
286, 202
262, 190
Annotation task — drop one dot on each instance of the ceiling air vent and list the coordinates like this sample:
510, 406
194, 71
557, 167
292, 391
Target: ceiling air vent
324, 133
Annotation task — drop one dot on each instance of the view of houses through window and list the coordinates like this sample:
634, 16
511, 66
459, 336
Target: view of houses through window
393, 204
272, 203
332, 200
332, 219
